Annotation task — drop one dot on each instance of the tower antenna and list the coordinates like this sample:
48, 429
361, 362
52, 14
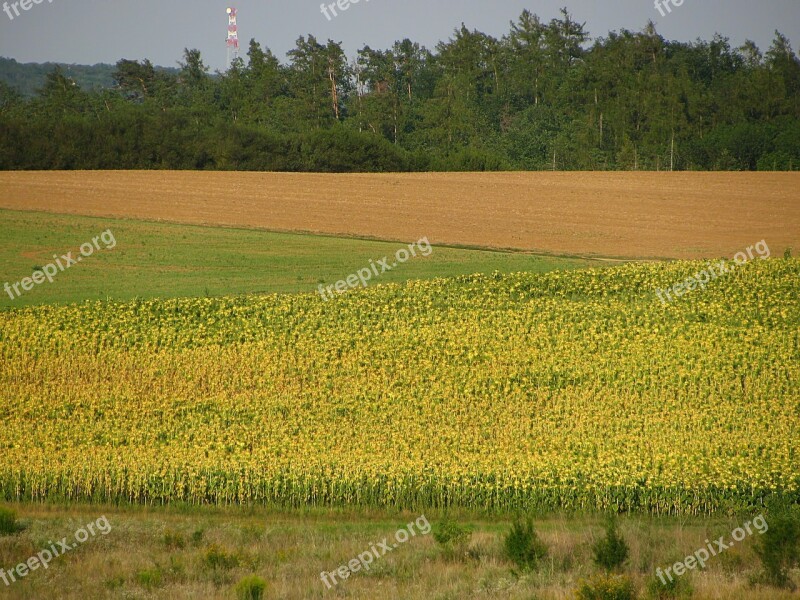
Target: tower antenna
233, 36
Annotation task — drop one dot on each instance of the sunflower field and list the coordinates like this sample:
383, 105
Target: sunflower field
569, 390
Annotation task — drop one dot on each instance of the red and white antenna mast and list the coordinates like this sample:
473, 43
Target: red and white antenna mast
233, 36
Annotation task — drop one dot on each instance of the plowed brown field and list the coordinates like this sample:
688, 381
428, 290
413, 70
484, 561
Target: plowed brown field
631, 215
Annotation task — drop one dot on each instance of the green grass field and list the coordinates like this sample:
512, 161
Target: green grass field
174, 552
160, 260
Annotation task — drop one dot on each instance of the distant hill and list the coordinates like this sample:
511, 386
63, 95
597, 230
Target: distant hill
27, 78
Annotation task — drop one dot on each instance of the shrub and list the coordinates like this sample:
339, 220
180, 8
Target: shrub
8, 522
471, 159
197, 537
343, 150
173, 540
523, 546
610, 552
218, 558
607, 587
779, 547
251, 588
678, 587
451, 537
150, 578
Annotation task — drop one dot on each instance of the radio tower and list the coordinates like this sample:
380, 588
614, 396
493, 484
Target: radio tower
233, 36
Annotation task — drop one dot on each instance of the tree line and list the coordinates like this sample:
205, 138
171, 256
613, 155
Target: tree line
28, 78
544, 96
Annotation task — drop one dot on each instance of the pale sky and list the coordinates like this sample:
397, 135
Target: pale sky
92, 31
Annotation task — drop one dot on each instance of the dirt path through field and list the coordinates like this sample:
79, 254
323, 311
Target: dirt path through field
634, 215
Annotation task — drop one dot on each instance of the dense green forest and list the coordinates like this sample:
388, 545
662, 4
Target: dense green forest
544, 96
28, 78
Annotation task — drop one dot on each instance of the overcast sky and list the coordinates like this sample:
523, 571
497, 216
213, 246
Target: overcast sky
92, 31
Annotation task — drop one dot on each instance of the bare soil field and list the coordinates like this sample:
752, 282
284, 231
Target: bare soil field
625, 215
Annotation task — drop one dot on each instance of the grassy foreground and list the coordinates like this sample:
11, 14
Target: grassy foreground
170, 553
161, 260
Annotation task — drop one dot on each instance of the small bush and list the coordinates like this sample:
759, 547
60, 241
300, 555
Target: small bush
779, 547
523, 546
197, 537
610, 552
8, 522
173, 540
150, 578
607, 587
251, 534
787, 254
218, 558
251, 588
451, 537
678, 587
